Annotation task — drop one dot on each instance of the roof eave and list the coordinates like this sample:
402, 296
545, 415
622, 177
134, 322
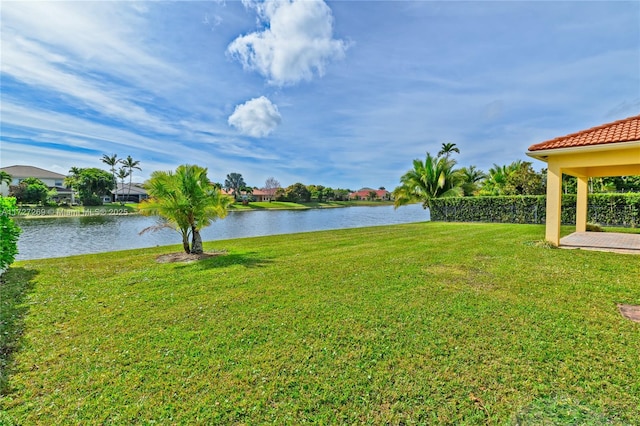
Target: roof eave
543, 154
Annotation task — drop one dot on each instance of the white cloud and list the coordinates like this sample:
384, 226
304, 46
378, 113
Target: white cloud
95, 35
28, 62
78, 132
81, 54
297, 42
257, 117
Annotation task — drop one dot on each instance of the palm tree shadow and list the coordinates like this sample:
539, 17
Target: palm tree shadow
224, 260
15, 285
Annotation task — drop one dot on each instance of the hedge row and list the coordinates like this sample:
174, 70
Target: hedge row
9, 233
604, 209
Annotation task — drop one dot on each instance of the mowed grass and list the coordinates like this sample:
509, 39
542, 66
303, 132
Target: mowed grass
427, 323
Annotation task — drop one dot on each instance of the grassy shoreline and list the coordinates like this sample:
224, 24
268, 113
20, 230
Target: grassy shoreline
435, 323
31, 212
285, 205
34, 212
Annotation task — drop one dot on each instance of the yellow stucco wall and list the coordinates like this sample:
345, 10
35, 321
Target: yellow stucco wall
621, 159
554, 204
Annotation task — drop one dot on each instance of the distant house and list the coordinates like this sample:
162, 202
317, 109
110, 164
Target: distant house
262, 195
366, 193
51, 179
257, 194
228, 192
130, 194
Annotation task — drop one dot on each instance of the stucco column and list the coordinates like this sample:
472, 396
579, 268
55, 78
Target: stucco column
581, 206
554, 203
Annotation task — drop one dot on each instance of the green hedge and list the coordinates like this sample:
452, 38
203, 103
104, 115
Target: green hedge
9, 233
605, 209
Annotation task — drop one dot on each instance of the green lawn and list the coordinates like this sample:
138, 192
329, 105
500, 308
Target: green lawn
428, 323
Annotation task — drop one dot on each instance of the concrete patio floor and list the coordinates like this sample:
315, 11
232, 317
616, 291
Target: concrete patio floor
602, 241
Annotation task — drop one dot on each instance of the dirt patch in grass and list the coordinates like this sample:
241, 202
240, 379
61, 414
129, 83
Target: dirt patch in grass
631, 312
186, 257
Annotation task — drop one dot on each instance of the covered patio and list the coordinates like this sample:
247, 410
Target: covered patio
611, 149
603, 241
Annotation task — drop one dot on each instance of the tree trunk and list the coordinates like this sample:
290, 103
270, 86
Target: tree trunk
185, 243
196, 242
130, 180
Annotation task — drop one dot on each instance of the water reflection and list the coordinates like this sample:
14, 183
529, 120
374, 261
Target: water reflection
96, 220
56, 237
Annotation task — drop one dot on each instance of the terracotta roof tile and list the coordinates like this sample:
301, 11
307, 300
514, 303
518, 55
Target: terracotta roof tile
619, 131
363, 193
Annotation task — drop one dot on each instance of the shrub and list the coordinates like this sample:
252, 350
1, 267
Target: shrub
91, 200
594, 227
30, 191
605, 209
9, 233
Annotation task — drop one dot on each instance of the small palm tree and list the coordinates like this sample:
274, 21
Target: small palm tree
234, 182
247, 192
496, 180
470, 179
130, 164
5, 178
72, 179
187, 200
447, 149
111, 161
122, 175
433, 178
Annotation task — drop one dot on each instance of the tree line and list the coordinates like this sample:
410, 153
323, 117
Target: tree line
297, 192
91, 183
437, 177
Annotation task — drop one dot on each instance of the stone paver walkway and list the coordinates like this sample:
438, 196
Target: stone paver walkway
603, 241
631, 312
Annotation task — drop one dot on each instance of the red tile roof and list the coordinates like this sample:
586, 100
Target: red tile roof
619, 131
364, 193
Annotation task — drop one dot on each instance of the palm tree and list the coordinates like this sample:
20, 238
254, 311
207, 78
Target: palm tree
496, 180
71, 181
187, 200
130, 164
122, 174
433, 178
111, 161
447, 149
5, 178
470, 178
234, 182
248, 192
504, 180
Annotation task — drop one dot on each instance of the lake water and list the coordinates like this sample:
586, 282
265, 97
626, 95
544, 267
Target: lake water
57, 237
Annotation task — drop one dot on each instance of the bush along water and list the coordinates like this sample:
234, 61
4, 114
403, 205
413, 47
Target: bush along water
9, 233
605, 209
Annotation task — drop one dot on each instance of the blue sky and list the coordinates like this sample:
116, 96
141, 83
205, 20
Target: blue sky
343, 94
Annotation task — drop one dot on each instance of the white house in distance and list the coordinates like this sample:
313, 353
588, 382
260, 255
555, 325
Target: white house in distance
51, 179
133, 193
